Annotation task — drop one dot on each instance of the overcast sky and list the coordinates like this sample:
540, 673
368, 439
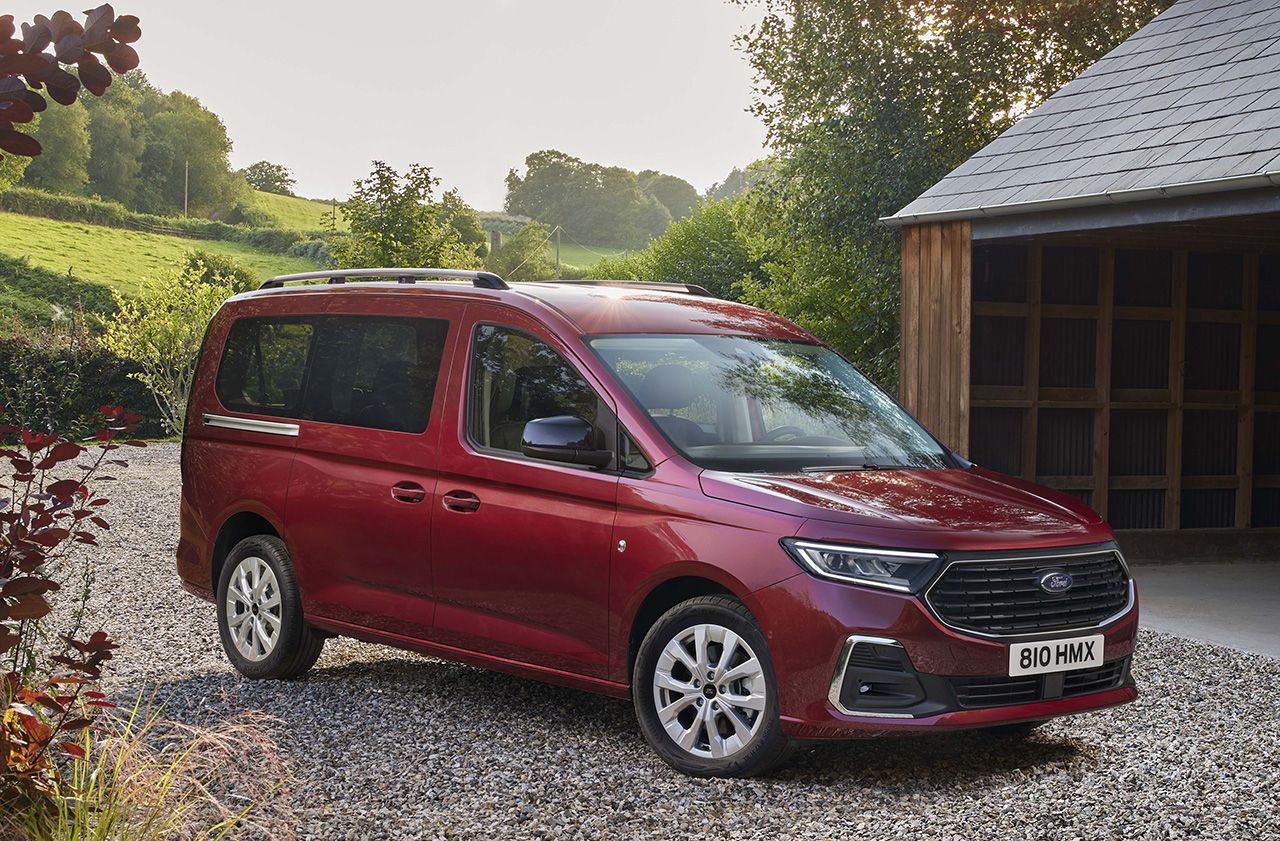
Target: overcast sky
468, 87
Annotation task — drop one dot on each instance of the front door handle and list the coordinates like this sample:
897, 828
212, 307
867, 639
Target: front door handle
464, 502
408, 492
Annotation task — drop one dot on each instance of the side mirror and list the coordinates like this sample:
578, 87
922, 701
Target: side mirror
564, 438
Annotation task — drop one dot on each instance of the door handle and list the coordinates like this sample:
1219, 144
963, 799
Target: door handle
464, 502
408, 492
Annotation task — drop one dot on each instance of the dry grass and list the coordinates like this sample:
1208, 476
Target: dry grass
146, 778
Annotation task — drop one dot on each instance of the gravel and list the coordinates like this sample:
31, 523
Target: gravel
387, 744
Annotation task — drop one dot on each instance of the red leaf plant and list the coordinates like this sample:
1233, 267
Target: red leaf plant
36, 62
47, 507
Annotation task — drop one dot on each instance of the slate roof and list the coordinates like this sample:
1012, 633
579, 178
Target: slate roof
1187, 101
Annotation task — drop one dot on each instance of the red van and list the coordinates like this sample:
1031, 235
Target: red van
634, 489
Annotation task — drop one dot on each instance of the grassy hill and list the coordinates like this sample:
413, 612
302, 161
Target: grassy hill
297, 213
119, 257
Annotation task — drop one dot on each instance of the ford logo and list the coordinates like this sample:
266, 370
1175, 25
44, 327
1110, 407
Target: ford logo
1055, 582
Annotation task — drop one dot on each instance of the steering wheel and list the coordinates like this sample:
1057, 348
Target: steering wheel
775, 434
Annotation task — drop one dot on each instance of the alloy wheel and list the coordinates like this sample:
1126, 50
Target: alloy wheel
253, 608
709, 691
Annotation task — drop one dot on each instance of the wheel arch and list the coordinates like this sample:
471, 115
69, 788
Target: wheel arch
234, 529
666, 594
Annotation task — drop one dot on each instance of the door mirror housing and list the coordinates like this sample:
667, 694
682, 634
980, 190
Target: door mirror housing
566, 439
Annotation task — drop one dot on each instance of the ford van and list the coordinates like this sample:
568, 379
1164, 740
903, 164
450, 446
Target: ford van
635, 489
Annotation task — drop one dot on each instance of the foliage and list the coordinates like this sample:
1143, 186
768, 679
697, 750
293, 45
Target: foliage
523, 256
88, 259
117, 137
220, 270
503, 223
270, 178
396, 222
53, 376
63, 164
863, 118
143, 778
161, 330
458, 215
187, 152
593, 203
26, 68
675, 194
50, 507
707, 248
738, 181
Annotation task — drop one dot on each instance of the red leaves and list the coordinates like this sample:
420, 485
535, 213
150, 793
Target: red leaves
65, 487
73, 43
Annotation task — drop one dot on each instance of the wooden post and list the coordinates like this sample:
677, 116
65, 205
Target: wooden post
1031, 361
1177, 366
1102, 381
1248, 368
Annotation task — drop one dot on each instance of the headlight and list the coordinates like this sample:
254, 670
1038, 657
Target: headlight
890, 569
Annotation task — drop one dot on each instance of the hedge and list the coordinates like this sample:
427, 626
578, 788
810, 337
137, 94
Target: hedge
93, 211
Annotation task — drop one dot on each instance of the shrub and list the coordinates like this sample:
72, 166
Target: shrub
161, 331
316, 250
524, 256
53, 377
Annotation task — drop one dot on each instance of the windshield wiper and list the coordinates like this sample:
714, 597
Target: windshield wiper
850, 468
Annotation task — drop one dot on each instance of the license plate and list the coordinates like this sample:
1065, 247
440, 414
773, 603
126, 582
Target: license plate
1038, 658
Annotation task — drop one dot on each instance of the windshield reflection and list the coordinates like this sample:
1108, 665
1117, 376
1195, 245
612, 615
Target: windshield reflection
747, 404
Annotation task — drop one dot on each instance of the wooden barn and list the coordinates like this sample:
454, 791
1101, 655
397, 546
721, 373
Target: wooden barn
1093, 300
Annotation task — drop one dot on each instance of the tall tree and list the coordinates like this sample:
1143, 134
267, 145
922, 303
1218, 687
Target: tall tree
63, 164
187, 152
396, 222
677, 195
270, 178
116, 143
869, 102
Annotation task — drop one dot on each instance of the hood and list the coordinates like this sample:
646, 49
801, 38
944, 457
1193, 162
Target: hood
959, 501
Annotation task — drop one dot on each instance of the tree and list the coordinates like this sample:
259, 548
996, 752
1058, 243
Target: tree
395, 222
677, 195
26, 67
464, 219
116, 142
593, 203
523, 255
270, 178
187, 152
706, 248
63, 164
161, 330
864, 117
738, 181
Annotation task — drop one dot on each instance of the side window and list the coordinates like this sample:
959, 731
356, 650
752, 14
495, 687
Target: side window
263, 366
375, 372
516, 378
633, 458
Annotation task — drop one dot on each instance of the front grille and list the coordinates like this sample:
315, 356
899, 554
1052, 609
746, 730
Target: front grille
1004, 596
1001, 690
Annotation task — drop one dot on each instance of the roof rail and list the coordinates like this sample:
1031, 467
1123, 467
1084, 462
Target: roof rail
656, 286
481, 280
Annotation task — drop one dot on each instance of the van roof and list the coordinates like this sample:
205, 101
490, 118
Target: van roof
600, 307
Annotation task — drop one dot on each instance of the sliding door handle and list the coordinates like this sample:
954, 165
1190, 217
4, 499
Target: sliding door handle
464, 502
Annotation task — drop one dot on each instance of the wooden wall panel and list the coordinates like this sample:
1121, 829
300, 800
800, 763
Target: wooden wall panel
933, 371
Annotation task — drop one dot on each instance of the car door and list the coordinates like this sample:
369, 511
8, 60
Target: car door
521, 547
364, 476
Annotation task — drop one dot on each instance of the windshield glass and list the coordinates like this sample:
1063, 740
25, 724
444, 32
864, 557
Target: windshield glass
760, 405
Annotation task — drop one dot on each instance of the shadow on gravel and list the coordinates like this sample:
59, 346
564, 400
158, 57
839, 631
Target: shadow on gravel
459, 709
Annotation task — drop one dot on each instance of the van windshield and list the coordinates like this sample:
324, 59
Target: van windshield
760, 405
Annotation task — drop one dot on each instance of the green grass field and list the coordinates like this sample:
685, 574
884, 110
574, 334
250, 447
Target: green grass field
297, 214
581, 256
121, 258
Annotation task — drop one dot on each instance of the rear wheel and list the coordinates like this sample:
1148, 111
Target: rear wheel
260, 612
705, 691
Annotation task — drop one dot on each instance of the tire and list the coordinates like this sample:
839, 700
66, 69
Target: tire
756, 743
261, 565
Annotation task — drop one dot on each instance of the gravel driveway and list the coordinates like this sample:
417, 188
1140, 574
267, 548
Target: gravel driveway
386, 744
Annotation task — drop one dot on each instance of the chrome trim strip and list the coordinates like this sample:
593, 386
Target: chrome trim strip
1124, 565
251, 425
837, 679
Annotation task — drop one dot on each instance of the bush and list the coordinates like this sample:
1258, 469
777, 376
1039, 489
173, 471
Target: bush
523, 256
54, 377
316, 250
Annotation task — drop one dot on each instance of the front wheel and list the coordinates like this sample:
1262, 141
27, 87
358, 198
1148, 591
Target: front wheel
705, 691
260, 612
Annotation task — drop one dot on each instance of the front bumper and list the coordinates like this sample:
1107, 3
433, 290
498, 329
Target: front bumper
946, 679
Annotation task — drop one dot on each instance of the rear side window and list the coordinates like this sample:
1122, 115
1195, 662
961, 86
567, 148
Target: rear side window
264, 365
375, 372
368, 371
516, 378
